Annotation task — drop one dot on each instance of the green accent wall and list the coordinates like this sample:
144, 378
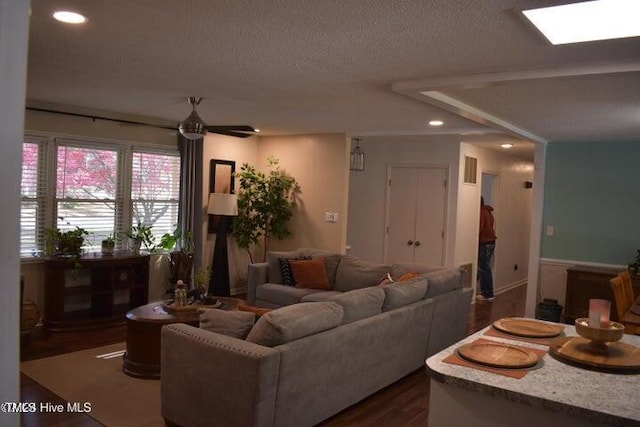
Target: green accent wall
592, 200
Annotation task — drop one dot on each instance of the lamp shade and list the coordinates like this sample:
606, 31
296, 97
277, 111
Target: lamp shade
222, 204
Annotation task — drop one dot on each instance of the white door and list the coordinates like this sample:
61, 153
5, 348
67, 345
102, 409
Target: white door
416, 215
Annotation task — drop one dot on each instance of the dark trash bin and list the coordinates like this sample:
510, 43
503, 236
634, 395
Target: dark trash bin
549, 309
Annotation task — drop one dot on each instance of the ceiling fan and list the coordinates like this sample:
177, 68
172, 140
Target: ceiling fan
193, 127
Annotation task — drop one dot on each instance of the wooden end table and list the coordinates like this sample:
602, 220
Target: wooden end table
144, 323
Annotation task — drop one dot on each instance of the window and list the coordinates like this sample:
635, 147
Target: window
88, 190
100, 187
32, 201
155, 188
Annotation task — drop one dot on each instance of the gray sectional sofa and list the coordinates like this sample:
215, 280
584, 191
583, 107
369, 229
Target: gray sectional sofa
319, 353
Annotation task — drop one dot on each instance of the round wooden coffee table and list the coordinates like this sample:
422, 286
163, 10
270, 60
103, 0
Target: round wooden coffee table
144, 323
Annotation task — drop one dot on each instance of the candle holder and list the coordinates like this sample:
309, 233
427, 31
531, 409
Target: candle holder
599, 337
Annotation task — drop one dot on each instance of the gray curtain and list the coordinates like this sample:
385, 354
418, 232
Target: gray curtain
191, 213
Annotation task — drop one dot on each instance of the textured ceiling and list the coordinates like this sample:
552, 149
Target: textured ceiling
309, 66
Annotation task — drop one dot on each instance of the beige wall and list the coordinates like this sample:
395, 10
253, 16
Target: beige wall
320, 165
241, 151
368, 191
65, 125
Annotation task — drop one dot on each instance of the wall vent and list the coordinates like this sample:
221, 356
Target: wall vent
470, 170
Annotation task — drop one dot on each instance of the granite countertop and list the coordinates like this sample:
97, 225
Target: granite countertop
556, 386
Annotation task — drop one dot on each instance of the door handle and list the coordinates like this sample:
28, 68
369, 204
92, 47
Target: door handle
410, 242
417, 243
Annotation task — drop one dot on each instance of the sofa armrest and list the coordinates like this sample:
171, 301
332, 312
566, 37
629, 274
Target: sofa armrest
257, 275
206, 376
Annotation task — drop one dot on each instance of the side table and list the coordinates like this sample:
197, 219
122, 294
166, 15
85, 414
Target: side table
144, 324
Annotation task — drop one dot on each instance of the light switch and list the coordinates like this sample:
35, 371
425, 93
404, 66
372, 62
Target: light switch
328, 217
549, 230
335, 217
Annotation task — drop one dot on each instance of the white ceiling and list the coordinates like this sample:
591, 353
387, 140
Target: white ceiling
322, 66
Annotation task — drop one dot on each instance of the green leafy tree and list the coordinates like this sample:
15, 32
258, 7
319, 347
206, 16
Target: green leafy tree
264, 206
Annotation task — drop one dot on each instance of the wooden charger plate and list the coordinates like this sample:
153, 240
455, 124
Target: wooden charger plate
498, 355
527, 327
620, 357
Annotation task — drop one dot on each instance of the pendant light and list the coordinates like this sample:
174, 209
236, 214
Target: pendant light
357, 157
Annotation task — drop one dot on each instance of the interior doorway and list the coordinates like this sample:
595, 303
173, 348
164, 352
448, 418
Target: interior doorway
488, 191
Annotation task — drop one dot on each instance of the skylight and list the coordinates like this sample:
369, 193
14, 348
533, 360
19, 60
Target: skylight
587, 21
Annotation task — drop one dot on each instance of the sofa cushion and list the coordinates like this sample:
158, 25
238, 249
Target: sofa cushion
355, 273
310, 274
274, 265
331, 261
285, 270
294, 322
443, 281
400, 268
360, 303
280, 295
320, 296
235, 324
407, 292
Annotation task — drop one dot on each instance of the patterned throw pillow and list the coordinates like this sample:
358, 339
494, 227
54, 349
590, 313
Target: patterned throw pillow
285, 270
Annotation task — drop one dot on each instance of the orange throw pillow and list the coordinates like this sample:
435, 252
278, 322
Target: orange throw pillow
310, 274
407, 276
257, 310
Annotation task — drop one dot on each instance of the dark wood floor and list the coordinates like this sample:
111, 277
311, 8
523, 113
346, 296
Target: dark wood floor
404, 403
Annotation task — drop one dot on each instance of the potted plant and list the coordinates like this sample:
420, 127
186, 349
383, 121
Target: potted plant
634, 267
64, 243
264, 206
109, 244
201, 279
181, 251
140, 235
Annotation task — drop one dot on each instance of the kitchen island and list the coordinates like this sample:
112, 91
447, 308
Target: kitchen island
553, 394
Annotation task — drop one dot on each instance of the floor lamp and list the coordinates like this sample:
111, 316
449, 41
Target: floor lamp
225, 206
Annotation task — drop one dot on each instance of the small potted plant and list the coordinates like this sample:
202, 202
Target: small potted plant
201, 279
634, 267
109, 244
64, 243
140, 235
181, 251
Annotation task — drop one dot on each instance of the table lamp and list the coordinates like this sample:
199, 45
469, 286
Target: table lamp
226, 206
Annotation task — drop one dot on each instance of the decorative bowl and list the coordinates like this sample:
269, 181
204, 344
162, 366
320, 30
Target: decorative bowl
599, 337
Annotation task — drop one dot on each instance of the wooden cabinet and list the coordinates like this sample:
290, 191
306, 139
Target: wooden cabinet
585, 283
93, 290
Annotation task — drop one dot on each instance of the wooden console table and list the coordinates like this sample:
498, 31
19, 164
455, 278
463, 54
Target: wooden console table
93, 290
585, 283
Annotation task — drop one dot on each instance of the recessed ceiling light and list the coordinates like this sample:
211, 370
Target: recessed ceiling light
506, 145
436, 123
587, 21
69, 17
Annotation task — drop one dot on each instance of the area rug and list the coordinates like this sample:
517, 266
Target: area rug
95, 376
